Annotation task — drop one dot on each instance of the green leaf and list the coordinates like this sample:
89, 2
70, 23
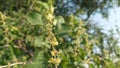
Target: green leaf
118, 2
39, 42
91, 66
110, 64
1, 31
65, 65
60, 19
38, 60
65, 27
34, 18
45, 5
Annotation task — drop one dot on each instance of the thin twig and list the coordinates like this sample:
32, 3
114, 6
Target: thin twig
5, 46
31, 7
13, 64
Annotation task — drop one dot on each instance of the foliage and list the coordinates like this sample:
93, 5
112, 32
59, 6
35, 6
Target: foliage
83, 8
30, 32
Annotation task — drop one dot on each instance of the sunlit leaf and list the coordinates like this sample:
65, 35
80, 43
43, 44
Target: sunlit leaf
34, 18
43, 4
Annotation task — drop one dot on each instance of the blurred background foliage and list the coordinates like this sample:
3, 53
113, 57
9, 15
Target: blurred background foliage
54, 34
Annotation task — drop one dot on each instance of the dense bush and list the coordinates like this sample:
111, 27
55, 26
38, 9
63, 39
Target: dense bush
32, 36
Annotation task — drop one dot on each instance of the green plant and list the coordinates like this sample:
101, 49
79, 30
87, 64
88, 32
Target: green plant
33, 37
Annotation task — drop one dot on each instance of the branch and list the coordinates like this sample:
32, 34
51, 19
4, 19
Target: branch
5, 46
31, 7
9, 65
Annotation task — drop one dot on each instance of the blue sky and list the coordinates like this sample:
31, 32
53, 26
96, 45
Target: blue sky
111, 22
113, 19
